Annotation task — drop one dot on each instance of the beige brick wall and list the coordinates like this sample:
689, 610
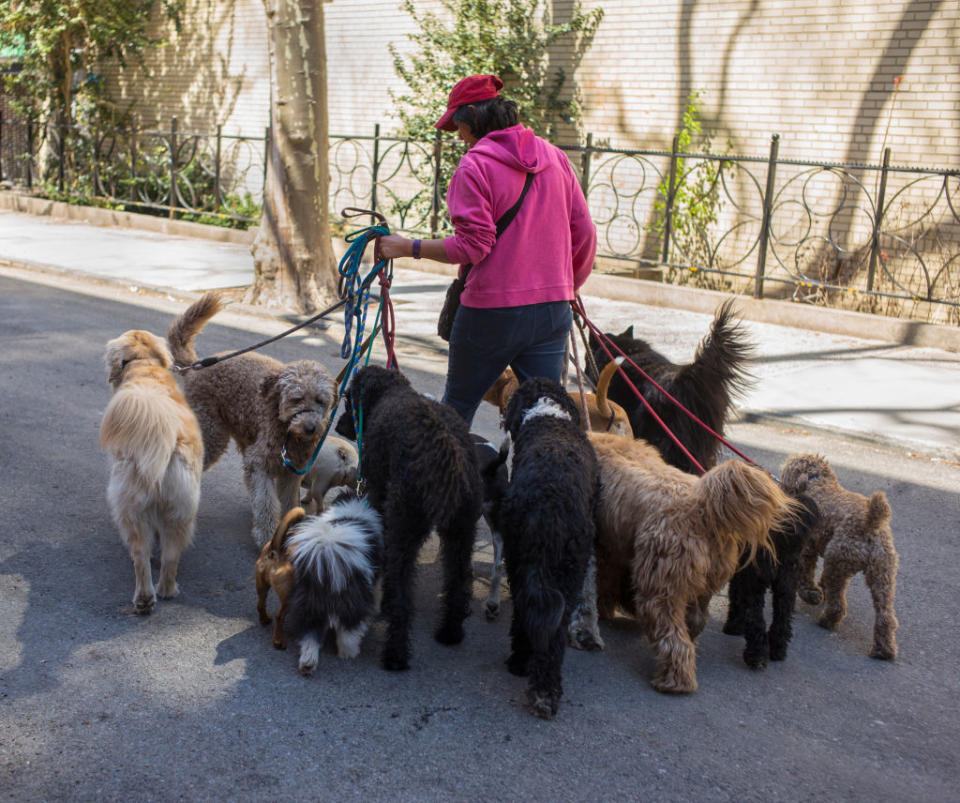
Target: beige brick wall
215, 71
818, 72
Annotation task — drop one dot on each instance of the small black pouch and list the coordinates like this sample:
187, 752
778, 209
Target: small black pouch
450, 305
452, 301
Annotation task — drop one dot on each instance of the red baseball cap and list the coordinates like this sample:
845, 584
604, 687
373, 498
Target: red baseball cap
468, 90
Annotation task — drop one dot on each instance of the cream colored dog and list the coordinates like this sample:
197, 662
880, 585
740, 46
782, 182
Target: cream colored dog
156, 458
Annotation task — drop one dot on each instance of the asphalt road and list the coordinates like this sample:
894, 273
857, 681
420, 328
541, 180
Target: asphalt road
194, 703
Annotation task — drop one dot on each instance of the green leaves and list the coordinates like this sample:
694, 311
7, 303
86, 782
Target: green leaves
512, 39
60, 38
508, 38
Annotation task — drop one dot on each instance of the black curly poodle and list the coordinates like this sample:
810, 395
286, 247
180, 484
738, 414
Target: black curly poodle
748, 587
420, 469
546, 519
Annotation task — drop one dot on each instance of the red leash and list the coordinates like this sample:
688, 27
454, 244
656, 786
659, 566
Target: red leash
604, 341
389, 319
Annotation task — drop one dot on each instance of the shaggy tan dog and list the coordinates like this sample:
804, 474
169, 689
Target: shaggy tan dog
270, 409
156, 458
605, 415
668, 540
853, 536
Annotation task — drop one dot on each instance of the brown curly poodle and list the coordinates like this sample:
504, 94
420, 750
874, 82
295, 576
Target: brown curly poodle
853, 536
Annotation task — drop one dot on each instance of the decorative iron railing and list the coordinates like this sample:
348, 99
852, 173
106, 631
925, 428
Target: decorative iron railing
879, 238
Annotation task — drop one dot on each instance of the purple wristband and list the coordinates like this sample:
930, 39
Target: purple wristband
416, 249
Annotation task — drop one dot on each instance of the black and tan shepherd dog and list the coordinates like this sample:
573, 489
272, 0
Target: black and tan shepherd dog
707, 387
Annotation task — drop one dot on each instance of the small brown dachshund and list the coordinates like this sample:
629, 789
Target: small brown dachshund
274, 570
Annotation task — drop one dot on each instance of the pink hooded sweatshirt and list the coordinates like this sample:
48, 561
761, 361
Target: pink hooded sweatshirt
547, 252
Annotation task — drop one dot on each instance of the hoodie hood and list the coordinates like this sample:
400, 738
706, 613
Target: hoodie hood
516, 147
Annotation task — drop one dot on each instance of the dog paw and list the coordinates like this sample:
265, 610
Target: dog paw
306, 668
755, 662
673, 685
811, 595
829, 620
491, 611
280, 644
265, 618
168, 592
449, 634
585, 639
394, 663
733, 627
143, 606
778, 652
883, 652
543, 705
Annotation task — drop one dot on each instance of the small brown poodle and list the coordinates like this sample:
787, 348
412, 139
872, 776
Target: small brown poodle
853, 536
668, 540
271, 410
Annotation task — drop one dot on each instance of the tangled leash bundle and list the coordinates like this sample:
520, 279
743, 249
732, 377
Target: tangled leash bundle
606, 343
355, 291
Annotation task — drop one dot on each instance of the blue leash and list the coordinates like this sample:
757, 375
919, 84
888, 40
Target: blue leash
356, 292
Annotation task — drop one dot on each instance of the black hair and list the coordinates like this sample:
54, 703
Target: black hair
485, 116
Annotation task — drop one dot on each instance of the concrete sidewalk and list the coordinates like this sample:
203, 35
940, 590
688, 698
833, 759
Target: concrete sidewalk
892, 393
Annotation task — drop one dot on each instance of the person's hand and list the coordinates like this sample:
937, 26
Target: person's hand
393, 246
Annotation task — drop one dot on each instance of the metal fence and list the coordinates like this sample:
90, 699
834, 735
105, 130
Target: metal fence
878, 238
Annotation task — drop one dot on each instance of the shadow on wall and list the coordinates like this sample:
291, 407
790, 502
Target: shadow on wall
194, 76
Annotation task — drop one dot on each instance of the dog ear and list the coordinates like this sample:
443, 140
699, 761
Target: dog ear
627, 333
344, 426
269, 388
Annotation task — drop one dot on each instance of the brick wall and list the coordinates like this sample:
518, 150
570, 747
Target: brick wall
819, 72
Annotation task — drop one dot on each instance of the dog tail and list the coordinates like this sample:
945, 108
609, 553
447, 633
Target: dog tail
543, 609
741, 504
719, 364
143, 427
878, 510
603, 383
187, 326
293, 516
339, 547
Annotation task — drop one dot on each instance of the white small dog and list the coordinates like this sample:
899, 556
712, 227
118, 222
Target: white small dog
156, 458
336, 464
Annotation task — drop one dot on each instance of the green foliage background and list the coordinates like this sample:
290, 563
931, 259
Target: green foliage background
507, 38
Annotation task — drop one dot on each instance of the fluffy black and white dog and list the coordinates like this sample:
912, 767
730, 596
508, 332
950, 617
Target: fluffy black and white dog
337, 558
707, 387
546, 518
421, 472
781, 575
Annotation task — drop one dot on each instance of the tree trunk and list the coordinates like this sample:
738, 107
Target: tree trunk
293, 258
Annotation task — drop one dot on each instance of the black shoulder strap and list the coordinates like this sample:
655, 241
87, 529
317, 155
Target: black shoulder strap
505, 220
507, 217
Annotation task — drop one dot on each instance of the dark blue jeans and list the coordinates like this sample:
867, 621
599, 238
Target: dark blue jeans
531, 339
